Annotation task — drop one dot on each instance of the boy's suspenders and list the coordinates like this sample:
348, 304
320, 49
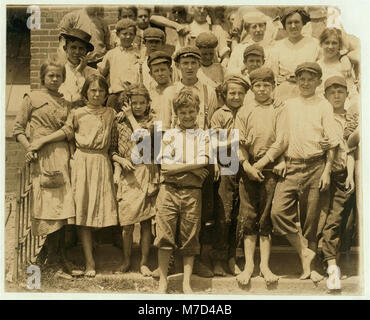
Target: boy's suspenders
205, 94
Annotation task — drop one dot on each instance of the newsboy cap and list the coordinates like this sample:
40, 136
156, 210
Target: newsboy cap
335, 80
238, 79
312, 67
206, 40
254, 49
153, 34
262, 74
157, 57
187, 52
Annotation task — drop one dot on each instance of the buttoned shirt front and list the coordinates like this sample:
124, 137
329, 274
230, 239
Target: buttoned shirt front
122, 65
168, 116
74, 81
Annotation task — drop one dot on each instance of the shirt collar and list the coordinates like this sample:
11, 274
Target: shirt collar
197, 85
177, 126
71, 65
126, 49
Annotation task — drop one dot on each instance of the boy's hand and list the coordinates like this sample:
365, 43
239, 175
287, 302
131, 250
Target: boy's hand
127, 111
253, 173
324, 144
350, 185
30, 156
183, 30
217, 173
225, 62
260, 164
324, 181
82, 65
202, 173
280, 169
120, 116
35, 145
127, 165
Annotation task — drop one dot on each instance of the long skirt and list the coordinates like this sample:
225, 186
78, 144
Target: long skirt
93, 189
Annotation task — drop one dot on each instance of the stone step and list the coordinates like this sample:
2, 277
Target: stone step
284, 263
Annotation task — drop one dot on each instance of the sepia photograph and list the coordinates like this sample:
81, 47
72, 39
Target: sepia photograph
163, 150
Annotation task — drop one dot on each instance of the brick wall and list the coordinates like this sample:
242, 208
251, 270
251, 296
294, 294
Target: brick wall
14, 160
45, 42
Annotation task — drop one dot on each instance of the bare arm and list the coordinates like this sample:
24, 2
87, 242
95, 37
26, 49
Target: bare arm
354, 139
165, 22
54, 137
325, 177
171, 169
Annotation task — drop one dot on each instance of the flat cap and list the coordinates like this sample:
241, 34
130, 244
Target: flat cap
254, 17
238, 79
187, 52
206, 40
254, 49
262, 74
157, 57
335, 80
153, 34
291, 10
124, 24
312, 67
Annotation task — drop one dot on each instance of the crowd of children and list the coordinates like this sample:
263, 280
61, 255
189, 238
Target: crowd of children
140, 129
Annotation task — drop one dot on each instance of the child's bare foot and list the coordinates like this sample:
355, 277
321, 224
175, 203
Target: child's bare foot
155, 273
269, 277
316, 277
186, 288
218, 270
145, 271
306, 259
90, 273
234, 268
244, 277
123, 268
162, 288
90, 270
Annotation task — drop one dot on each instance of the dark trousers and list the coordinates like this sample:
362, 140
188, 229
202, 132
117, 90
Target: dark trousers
255, 205
226, 210
339, 206
208, 206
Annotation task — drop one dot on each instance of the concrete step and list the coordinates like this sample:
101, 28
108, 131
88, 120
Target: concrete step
284, 262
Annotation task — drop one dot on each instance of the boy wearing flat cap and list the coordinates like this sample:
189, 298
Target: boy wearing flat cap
263, 140
210, 72
233, 92
121, 63
254, 24
341, 195
187, 60
308, 166
253, 58
154, 40
77, 45
160, 69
